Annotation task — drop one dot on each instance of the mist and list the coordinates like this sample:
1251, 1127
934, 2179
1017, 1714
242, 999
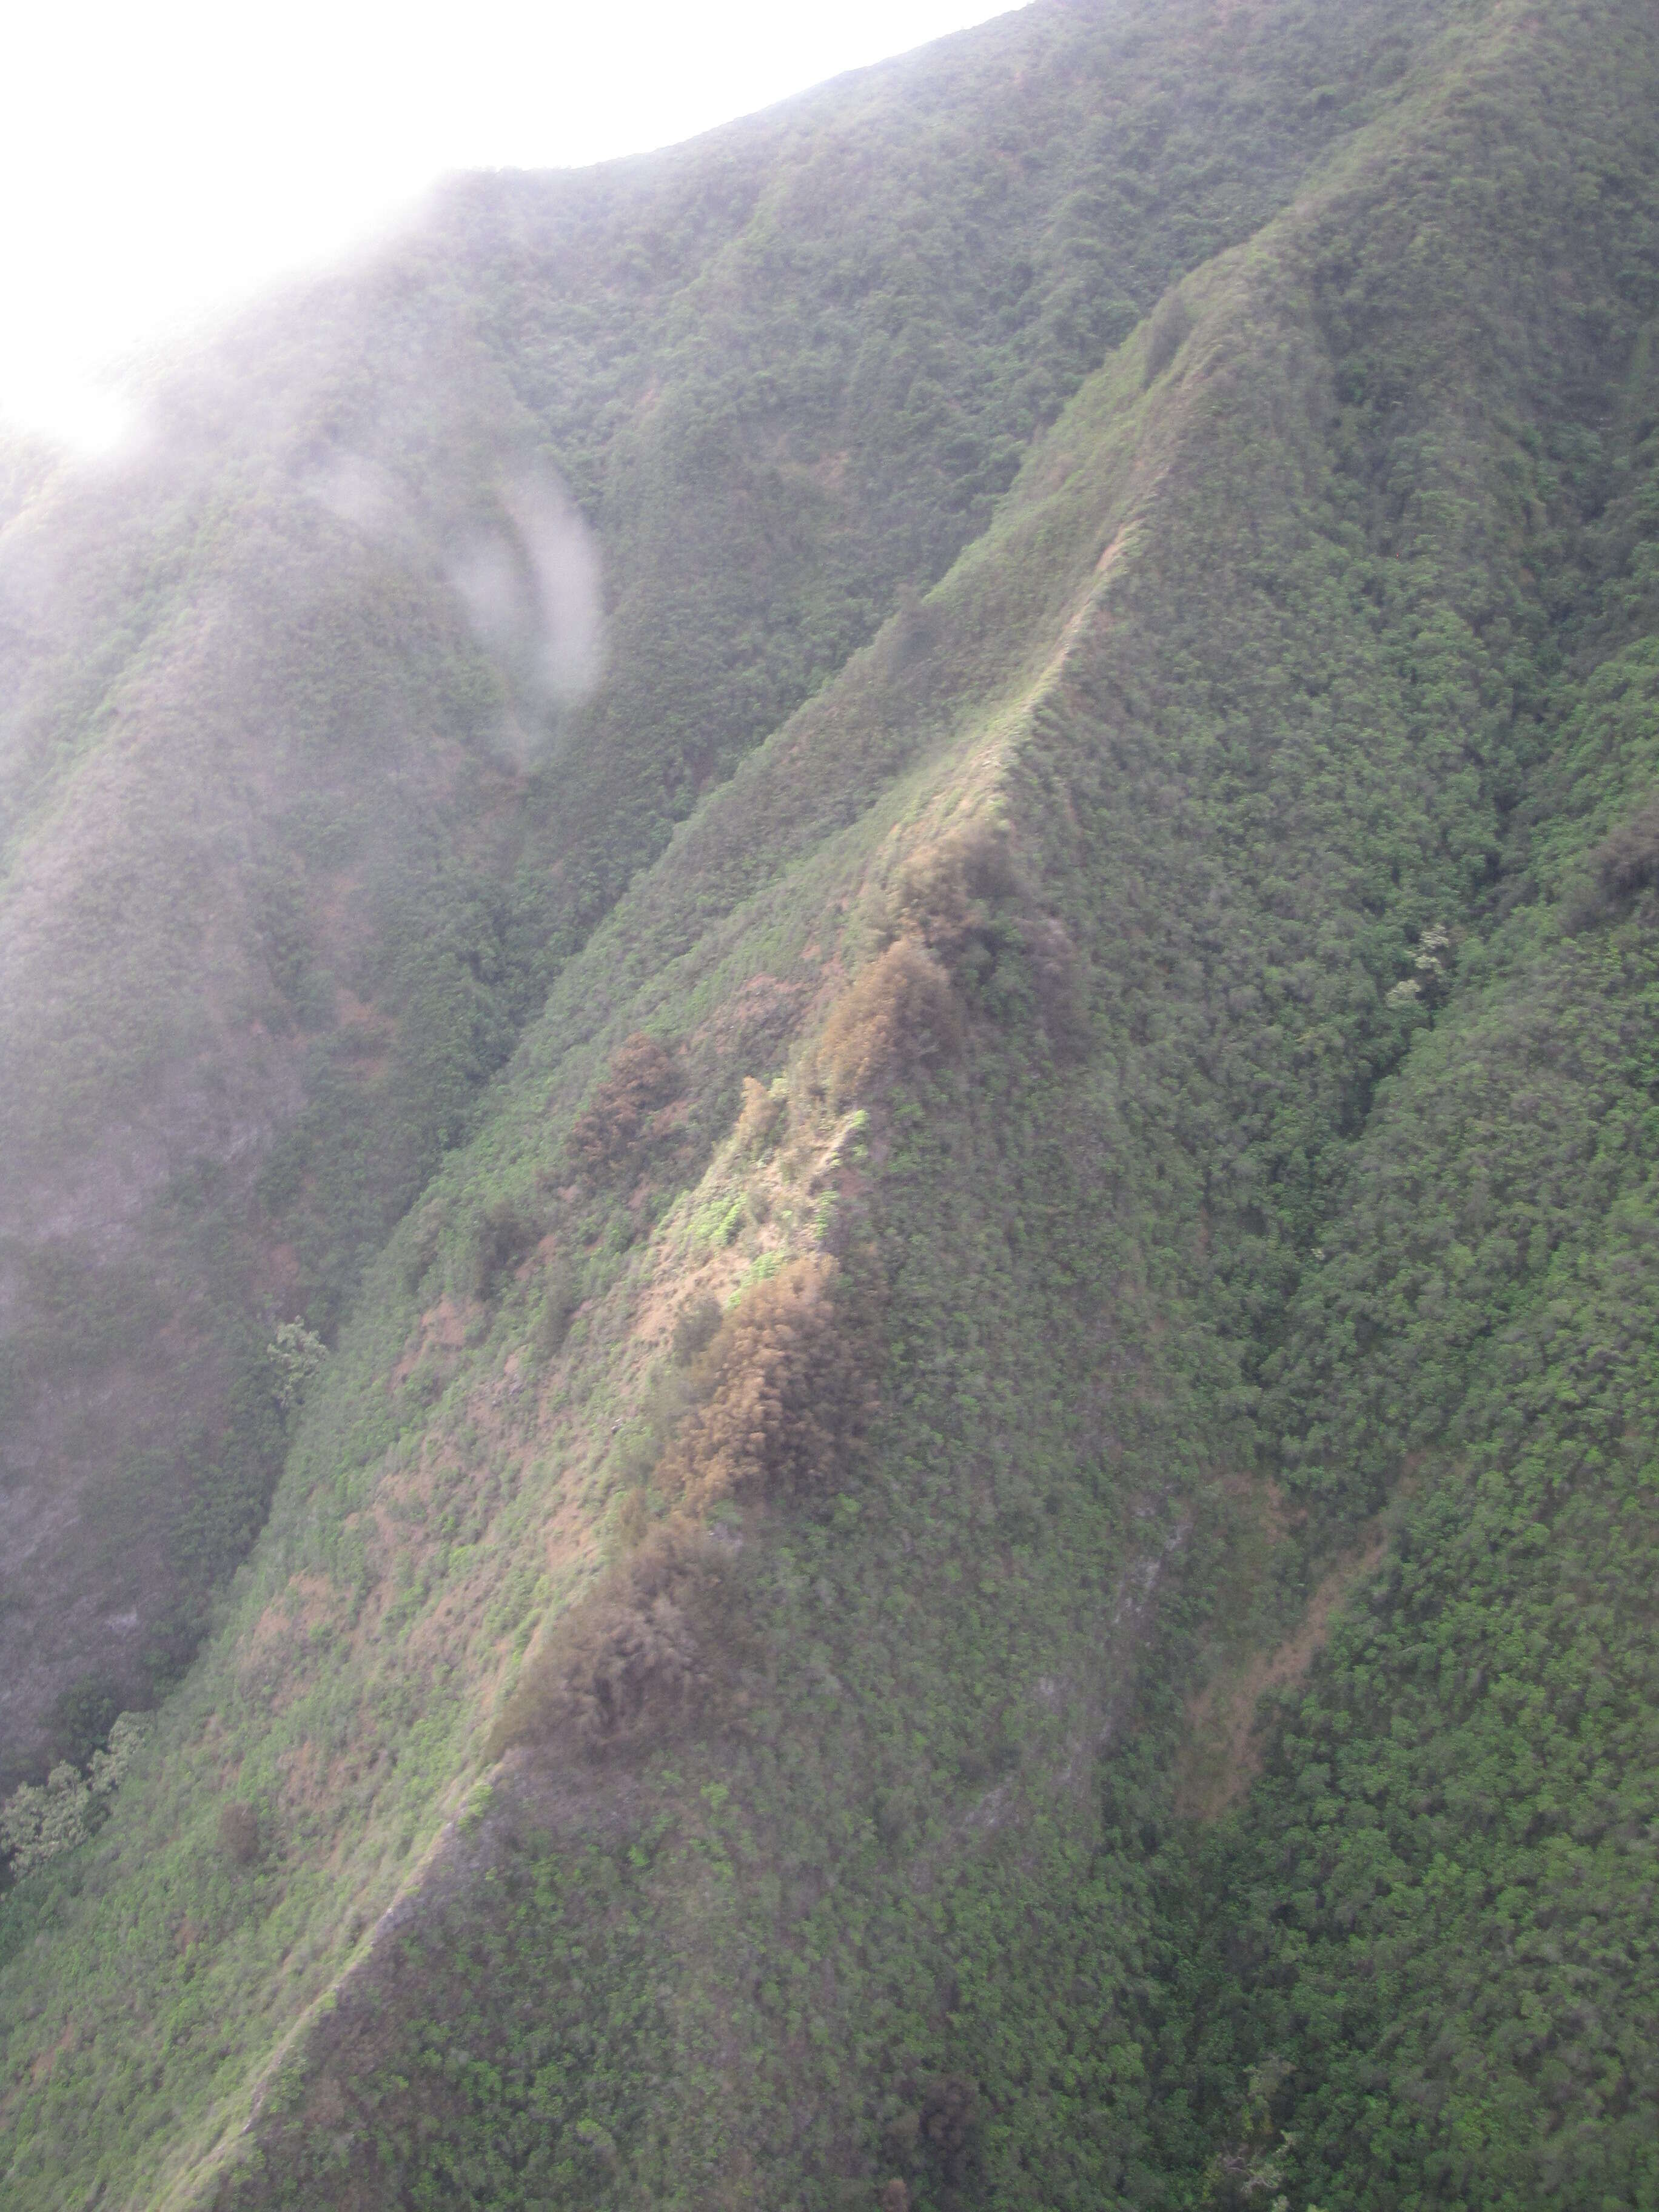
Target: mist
530, 582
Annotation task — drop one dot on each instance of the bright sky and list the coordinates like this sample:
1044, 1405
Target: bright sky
163, 160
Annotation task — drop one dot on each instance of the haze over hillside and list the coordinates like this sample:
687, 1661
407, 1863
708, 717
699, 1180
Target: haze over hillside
829, 973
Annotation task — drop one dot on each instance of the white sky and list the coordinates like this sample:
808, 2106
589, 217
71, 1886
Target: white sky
162, 161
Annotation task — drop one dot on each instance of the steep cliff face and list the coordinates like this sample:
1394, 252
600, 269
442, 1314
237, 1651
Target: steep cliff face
1102, 1169
337, 717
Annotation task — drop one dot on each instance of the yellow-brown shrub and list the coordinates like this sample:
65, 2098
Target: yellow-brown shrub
948, 892
631, 1655
783, 1392
899, 1014
781, 1400
757, 1116
643, 1077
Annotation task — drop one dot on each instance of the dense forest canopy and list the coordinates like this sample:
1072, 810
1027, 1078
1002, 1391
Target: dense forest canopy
829, 1271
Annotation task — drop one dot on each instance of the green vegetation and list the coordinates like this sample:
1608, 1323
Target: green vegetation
1435, 1917
294, 834
37, 1825
1104, 1168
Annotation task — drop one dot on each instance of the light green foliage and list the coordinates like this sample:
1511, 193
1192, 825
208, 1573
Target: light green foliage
39, 1822
110, 1766
295, 1354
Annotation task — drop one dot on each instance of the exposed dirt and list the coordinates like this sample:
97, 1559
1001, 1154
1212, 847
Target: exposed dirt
442, 1327
1225, 1747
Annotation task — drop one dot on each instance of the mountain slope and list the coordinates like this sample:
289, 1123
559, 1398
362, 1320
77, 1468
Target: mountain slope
717, 1714
336, 718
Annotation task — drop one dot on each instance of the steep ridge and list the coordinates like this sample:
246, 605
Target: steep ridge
825, 1495
1428, 1947
320, 754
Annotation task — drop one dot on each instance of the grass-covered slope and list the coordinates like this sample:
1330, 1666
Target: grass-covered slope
721, 1712
331, 723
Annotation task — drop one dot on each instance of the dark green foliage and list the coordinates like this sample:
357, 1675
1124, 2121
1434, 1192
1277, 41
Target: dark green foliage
1626, 863
82, 1718
239, 1831
561, 1297
503, 1232
1435, 1915
1451, 1847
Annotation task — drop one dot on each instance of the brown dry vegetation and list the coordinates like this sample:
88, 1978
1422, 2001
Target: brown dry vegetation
962, 895
696, 1327
948, 891
901, 1014
784, 1396
643, 1078
757, 1118
770, 1400
635, 1652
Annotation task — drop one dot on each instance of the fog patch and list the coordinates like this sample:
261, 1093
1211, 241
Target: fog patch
521, 560
364, 496
530, 582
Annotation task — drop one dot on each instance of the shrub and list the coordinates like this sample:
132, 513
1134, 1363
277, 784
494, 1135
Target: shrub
1628, 860
294, 1355
239, 1833
636, 1451
950, 2125
948, 892
82, 1717
1172, 325
899, 1015
962, 897
109, 1766
422, 1248
500, 1234
643, 1077
695, 1328
560, 1300
628, 1657
757, 1116
913, 634
633, 1521
784, 1397
1625, 865
1059, 978
38, 1823
940, 2128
